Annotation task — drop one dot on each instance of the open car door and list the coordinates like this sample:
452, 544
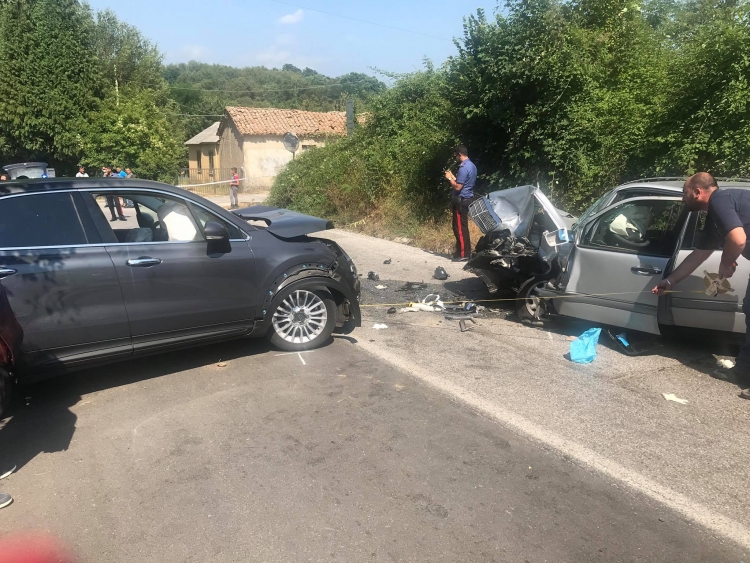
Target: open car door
690, 306
621, 253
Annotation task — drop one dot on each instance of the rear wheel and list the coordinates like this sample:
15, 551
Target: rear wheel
303, 319
530, 307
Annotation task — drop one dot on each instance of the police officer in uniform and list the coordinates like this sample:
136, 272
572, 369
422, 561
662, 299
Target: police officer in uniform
462, 194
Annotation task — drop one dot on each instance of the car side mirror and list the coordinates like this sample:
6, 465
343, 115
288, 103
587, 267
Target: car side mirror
217, 236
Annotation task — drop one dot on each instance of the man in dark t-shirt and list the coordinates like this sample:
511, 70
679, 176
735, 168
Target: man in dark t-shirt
727, 222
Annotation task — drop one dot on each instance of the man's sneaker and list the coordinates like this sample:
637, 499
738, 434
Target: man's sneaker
5, 500
113, 219
734, 375
122, 218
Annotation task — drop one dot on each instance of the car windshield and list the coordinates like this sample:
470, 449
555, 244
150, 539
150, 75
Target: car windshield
592, 210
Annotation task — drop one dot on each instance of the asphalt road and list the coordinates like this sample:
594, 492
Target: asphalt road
328, 455
413, 443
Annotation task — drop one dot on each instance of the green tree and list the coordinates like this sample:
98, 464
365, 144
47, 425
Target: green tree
50, 79
137, 132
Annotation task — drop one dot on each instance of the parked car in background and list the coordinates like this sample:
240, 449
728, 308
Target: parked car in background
179, 271
624, 244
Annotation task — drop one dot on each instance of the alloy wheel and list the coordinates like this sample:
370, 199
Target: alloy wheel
301, 317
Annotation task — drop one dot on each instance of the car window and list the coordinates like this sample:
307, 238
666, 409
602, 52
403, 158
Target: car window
642, 226
593, 210
203, 216
137, 217
699, 233
46, 219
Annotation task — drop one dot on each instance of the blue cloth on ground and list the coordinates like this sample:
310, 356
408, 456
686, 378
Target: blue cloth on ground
583, 349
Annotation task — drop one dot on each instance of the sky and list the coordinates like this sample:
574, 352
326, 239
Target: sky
272, 33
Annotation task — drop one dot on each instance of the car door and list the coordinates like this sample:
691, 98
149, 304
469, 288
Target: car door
689, 306
176, 289
61, 283
621, 253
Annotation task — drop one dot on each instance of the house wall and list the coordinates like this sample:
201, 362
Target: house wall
265, 156
230, 148
204, 149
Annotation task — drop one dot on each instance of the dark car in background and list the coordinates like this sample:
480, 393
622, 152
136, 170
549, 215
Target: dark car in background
178, 271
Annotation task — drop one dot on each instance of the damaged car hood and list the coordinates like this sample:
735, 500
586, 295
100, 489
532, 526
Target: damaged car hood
513, 210
283, 222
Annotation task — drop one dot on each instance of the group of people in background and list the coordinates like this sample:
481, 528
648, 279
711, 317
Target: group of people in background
113, 202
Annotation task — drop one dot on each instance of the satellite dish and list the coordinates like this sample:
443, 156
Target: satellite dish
291, 142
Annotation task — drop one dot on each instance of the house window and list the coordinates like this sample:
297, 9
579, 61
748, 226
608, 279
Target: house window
308, 147
211, 162
198, 155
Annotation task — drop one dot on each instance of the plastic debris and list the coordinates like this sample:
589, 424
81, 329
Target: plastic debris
726, 364
222, 364
8, 473
434, 300
672, 397
387, 261
379, 326
583, 348
424, 307
391, 311
381, 287
440, 273
621, 337
373, 276
412, 286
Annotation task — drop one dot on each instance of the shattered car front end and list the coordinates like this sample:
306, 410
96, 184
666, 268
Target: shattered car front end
525, 237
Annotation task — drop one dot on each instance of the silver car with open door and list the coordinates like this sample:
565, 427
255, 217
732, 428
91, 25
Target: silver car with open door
629, 240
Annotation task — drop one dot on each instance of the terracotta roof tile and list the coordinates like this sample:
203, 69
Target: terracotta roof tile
271, 121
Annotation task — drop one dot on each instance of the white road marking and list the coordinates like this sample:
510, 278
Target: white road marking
293, 353
301, 359
692, 510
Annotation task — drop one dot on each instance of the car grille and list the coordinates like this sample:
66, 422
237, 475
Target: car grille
483, 216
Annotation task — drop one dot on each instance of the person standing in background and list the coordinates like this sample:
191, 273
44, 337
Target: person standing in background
234, 188
462, 194
81, 172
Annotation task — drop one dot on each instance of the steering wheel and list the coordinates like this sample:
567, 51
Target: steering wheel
627, 242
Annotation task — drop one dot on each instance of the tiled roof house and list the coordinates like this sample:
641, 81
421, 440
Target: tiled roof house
251, 139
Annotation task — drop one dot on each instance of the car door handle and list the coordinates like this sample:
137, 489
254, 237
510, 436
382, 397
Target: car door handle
5, 272
646, 271
143, 262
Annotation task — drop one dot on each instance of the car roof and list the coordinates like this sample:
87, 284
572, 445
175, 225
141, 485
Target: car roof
36, 185
675, 183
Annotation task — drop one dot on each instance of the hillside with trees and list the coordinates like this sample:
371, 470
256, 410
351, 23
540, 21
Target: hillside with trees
84, 87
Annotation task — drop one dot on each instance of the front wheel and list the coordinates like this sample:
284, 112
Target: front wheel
303, 320
530, 307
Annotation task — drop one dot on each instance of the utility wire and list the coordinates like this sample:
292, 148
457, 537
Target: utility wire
287, 89
363, 21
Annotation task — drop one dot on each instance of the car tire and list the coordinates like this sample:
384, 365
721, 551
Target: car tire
527, 306
6, 389
303, 319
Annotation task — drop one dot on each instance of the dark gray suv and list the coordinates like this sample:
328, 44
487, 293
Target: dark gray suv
92, 283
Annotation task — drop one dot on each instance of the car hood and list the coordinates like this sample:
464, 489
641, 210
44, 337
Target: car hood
283, 222
513, 209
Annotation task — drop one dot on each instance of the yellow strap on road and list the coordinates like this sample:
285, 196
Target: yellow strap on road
408, 304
